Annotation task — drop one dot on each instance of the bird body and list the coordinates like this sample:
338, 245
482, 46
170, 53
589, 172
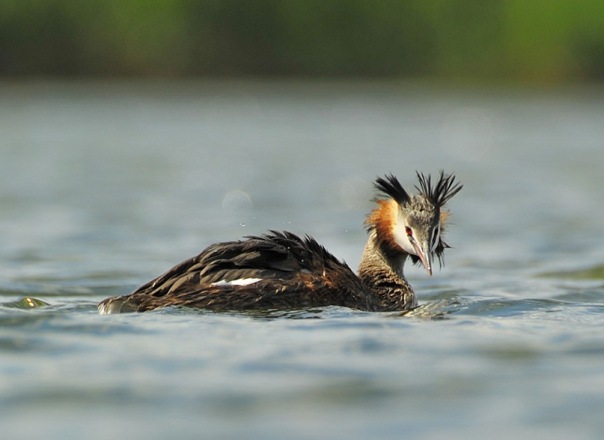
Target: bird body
280, 270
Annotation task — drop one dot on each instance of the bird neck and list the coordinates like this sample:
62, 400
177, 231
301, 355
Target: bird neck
381, 270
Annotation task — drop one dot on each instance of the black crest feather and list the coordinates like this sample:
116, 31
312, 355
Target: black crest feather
390, 186
445, 188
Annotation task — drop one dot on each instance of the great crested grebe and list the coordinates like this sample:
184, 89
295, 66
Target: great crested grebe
280, 270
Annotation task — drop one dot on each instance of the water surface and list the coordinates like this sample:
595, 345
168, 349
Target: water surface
104, 186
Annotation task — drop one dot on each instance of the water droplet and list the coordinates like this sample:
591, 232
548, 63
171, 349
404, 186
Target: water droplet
237, 200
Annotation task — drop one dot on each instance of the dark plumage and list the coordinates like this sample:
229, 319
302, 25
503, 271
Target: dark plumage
445, 188
280, 270
391, 187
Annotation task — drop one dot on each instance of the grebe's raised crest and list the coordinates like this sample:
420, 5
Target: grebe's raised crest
390, 186
445, 188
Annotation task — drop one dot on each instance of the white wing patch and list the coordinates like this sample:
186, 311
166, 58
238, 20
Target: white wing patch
238, 282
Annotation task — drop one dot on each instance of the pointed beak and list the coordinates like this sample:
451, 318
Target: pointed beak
423, 252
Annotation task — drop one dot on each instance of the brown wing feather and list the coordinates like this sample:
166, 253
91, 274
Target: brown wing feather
294, 272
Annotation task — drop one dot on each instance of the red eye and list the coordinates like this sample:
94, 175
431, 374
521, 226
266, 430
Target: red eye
408, 231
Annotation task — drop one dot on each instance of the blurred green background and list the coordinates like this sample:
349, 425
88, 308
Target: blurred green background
550, 41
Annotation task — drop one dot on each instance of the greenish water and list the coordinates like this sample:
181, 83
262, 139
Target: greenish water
104, 186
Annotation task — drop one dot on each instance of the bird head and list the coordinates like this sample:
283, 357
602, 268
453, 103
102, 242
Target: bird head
413, 224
